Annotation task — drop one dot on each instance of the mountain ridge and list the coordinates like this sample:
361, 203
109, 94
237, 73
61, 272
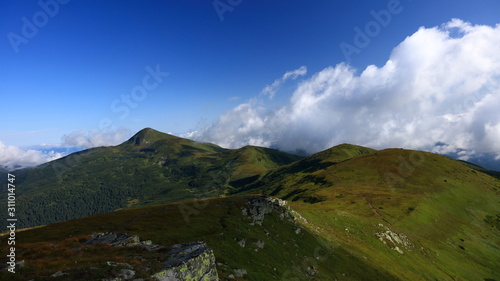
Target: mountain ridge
422, 206
154, 168
149, 168
391, 214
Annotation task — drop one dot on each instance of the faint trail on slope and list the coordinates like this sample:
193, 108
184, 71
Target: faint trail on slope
377, 214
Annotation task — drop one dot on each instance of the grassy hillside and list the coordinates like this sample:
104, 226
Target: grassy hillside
361, 214
445, 214
300, 172
278, 249
150, 168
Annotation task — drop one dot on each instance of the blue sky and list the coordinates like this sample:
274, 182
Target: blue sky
65, 80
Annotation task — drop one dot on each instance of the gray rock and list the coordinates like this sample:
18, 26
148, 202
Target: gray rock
240, 272
120, 264
19, 264
242, 242
58, 274
257, 208
116, 240
113, 239
188, 261
127, 274
394, 239
260, 244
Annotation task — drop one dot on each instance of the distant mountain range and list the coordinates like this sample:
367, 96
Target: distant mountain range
488, 160
345, 213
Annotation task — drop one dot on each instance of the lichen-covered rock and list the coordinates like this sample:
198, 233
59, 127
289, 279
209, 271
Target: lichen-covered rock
192, 261
189, 261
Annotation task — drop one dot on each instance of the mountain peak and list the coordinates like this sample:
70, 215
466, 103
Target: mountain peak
147, 136
341, 152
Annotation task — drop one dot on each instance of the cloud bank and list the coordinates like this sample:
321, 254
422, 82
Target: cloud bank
441, 85
88, 139
13, 157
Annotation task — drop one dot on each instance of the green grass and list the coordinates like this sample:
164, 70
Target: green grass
448, 210
220, 223
433, 200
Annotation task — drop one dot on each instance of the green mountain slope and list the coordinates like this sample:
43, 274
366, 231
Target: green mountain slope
289, 178
360, 214
150, 168
268, 246
419, 215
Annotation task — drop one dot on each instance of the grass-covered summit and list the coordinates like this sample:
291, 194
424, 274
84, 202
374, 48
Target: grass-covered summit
148, 136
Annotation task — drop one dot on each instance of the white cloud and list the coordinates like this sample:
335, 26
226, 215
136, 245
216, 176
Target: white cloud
440, 84
13, 157
88, 139
274, 87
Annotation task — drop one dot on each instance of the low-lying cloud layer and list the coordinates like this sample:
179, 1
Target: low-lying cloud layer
87, 139
440, 85
12, 157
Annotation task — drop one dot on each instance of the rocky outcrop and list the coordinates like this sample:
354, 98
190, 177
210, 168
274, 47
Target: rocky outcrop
257, 208
393, 239
189, 261
123, 239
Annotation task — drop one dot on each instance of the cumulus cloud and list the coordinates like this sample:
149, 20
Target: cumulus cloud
88, 139
13, 157
440, 85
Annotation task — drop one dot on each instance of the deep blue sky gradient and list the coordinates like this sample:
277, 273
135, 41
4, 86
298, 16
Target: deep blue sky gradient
91, 53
